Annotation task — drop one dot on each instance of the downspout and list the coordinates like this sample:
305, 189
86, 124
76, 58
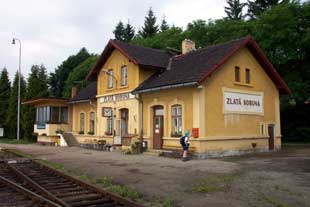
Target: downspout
137, 97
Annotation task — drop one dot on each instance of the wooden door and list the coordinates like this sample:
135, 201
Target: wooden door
158, 127
271, 136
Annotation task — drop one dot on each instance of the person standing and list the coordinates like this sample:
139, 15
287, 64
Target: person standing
184, 141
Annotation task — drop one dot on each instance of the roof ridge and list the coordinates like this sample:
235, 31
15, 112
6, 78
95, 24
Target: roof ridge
135, 45
211, 46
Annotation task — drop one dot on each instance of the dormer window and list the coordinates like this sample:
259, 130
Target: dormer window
237, 74
124, 75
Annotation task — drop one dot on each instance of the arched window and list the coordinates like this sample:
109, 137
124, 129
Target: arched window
176, 120
82, 123
91, 123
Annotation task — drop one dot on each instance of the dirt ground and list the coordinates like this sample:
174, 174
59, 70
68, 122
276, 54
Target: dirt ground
280, 179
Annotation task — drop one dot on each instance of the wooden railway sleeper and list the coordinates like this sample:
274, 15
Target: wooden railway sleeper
35, 197
36, 186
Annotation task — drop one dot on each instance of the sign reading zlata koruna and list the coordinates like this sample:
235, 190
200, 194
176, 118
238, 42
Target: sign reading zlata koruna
243, 103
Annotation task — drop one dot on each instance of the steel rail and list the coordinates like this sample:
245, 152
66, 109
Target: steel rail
31, 195
36, 186
117, 199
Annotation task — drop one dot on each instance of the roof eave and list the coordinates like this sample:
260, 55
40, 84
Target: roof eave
164, 87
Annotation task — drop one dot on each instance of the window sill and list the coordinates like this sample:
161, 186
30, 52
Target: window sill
243, 84
110, 89
122, 87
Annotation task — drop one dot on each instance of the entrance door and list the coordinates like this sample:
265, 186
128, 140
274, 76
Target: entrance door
158, 127
271, 136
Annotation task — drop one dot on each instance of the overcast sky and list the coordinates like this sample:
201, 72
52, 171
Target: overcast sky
51, 30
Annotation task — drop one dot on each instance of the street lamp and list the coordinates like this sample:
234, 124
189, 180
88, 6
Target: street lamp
19, 74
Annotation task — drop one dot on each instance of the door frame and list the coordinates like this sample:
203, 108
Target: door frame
162, 125
271, 137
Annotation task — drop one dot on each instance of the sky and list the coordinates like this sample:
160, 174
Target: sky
52, 30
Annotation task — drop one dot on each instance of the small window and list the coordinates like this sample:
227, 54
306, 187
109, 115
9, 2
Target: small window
237, 74
82, 123
109, 130
124, 75
92, 123
247, 76
110, 78
176, 116
64, 114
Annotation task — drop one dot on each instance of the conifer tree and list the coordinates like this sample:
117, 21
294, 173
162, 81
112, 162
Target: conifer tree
164, 25
36, 88
119, 31
129, 32
58, 78
11, 119
150, 28
5, 88
234, 9
257, 7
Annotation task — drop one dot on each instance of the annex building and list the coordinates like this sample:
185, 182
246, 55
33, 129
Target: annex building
226, 95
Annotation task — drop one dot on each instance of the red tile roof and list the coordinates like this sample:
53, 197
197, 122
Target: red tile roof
195, 67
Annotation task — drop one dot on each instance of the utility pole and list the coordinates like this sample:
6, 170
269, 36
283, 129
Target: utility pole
19, 75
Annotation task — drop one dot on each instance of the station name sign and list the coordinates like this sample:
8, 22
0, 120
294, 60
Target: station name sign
243, 103
116, 97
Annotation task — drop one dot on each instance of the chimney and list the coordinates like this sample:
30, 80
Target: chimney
73, 91
188, 46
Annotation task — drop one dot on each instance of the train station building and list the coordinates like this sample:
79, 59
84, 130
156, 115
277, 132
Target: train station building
226, 95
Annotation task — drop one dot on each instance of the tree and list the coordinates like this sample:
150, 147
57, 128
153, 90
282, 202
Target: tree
164, 25
129, 32
36, 88
257, 7
78, 74
234, 9
58, 78
119, 31
11, 119
150, 28
5, 88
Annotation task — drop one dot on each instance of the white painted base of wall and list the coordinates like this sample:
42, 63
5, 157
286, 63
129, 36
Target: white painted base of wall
225, 153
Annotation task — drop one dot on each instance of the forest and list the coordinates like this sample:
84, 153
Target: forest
281, 28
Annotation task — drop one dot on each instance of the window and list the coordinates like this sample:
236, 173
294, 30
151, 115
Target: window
55, 111
109, 130
237, 74
247, 76
64, 115
82, 123
124, 120
91, 123
110, 78
124, 75
176, 112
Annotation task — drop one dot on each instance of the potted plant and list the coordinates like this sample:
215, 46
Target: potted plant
81, 132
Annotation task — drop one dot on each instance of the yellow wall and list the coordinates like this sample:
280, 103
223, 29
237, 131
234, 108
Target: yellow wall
115, 62
86, 108
167, 98
135, 75
50, 129
203, 109
222, 125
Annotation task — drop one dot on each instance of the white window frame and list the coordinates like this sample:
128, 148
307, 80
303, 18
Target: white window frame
110, 78
124, 75
176, 115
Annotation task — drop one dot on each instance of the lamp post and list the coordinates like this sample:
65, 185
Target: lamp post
19, 74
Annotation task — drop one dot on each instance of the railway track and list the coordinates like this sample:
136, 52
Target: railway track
56, 187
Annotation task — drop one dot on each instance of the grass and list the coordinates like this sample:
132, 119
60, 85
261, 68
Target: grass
215, 182
274, 202
15, 141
